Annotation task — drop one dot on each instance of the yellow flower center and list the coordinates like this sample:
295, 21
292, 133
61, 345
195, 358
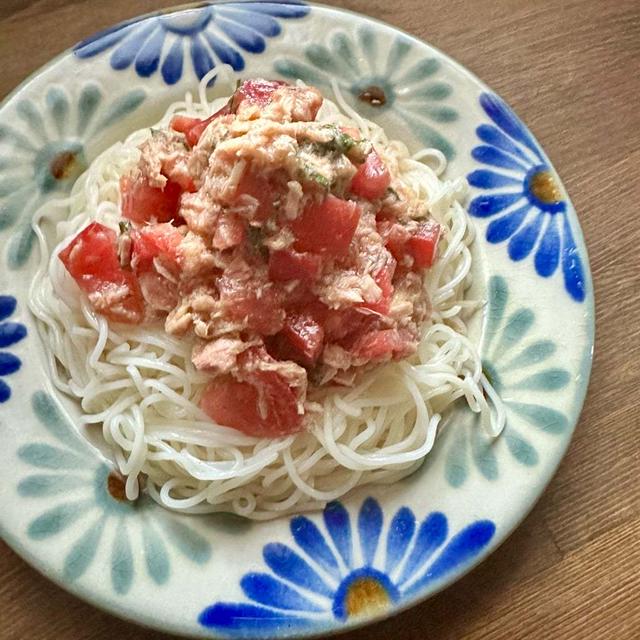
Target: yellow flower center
366, 597
544, 187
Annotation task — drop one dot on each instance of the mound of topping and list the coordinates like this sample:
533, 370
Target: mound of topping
288, 248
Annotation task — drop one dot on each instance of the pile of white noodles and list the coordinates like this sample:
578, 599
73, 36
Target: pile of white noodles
138, 383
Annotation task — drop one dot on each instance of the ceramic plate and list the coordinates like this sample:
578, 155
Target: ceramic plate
379, 549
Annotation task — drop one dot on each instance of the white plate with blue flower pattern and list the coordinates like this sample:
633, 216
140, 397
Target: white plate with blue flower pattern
379, 549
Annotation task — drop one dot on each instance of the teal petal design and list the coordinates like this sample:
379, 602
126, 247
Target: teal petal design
544, 418
520, 449
11, 208
45, 486
456, 468
549, 380
45, 152
155, 555
397, 53
535, 353
88, 104
31, 116
498, 297
121, 107
419, 71
45, 456
121, 560
482, 448
82, 553
191, 544
54, 421
19, 140
20, 247
57, 519
518, 324
517, 366
58, 104
359, 61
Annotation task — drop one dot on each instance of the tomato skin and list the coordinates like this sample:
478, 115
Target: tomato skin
234, 404
142, 203
160, 240
91, 258
261, 188
383, 278
286, 265
423, 244
193, 128
326, 227
371, 179
256, 91
255, 302
301, 340
419, 244
378, 345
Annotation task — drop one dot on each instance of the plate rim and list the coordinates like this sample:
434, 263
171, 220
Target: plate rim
585, 368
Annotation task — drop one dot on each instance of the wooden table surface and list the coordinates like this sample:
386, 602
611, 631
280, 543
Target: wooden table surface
571, 70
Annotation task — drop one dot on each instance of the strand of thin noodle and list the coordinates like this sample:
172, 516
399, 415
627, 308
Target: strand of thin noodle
140, 384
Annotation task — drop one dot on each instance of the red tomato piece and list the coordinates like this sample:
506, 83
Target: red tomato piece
383, 278
237, 405
91, 258
423, 244
142, 203
232, 404
258, 303
287, 264
259, 187
155, 241
379, 345
300, 340
257, 91
326, 227
395, 238
193, 128
371, 179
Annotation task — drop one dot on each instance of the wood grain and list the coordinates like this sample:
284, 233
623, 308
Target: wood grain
570, 70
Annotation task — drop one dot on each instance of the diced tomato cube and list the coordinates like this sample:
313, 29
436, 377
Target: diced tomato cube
287, 264
379, 345
395, 238
371, 179
256, 91
155, 241
143, 203
236, 404
193, 128
423, 244
262, 189
326, 227
300, 340
91, 258
258, 303
383, 278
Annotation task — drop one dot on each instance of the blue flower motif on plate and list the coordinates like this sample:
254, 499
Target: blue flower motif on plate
379, 77
43, 150
352, 569
77, 488
10, 334
207, 34
524, 197
517, 363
